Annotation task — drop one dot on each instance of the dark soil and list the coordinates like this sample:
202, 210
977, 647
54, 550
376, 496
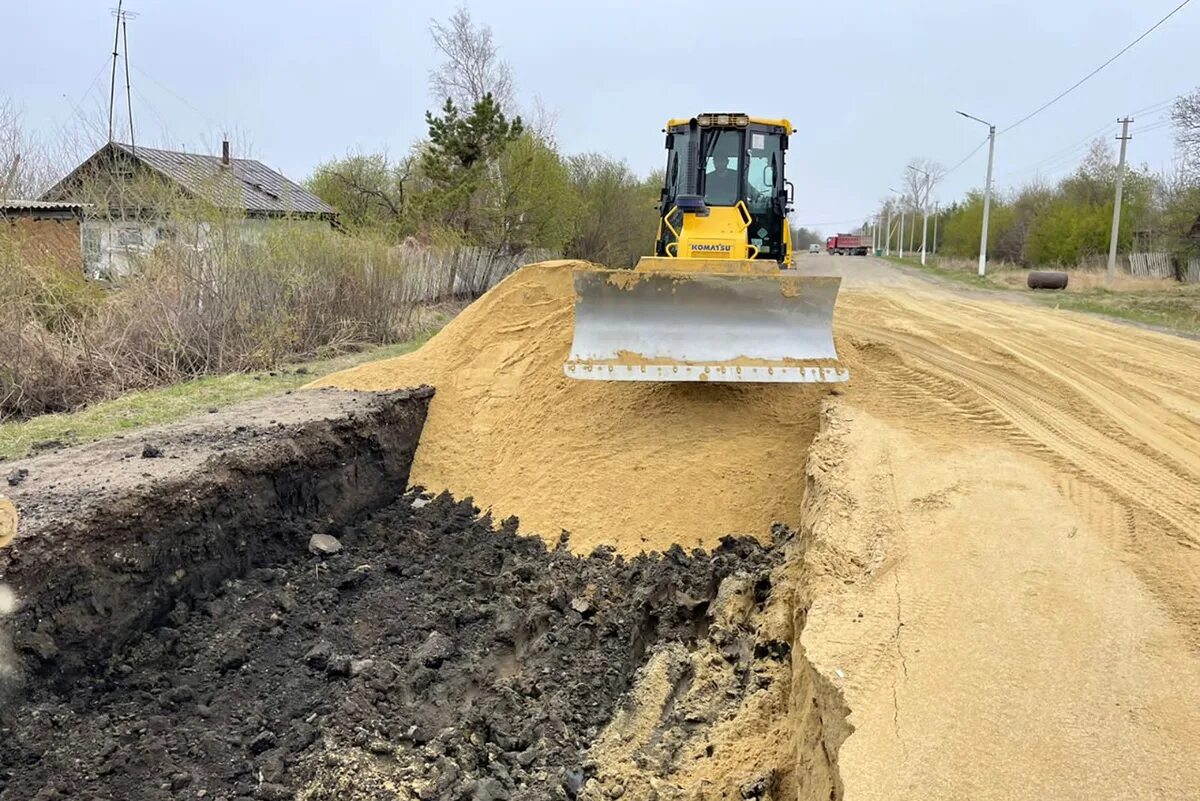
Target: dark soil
434, 656
109, 541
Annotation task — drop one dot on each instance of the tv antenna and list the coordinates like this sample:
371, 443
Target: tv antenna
120, 36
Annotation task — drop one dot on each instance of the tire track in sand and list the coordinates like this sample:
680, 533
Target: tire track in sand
1112, 408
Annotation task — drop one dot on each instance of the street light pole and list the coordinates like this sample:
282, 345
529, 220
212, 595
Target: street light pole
987, 193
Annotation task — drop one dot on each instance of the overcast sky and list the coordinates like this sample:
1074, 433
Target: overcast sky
867, 85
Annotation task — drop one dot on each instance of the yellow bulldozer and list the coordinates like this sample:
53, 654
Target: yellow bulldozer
717, 301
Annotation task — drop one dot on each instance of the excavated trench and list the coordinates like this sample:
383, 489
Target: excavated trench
179, 636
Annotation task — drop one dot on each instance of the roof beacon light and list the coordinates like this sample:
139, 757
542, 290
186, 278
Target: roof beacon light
723, 120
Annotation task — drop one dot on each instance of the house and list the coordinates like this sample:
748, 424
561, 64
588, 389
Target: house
141, 197
47, 233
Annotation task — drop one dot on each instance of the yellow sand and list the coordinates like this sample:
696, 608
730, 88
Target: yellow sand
636, 465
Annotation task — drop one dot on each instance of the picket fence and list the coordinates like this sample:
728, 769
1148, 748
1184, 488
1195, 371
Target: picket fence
1151, 265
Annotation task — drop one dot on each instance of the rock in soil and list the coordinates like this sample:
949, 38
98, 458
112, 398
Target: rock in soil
324, 544
471, 663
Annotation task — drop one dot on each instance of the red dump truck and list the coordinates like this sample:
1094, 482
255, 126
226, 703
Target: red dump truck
848, 245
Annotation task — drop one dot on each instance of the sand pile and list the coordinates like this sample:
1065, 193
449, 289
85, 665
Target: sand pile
636, 465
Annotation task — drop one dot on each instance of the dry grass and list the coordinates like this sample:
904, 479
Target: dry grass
233, 305
1153, 301
139, 409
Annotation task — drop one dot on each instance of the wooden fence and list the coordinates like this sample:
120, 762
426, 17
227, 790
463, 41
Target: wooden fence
1162, 265
1150, 265
432, 274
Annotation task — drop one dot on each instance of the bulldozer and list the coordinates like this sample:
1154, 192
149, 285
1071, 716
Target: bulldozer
717, 300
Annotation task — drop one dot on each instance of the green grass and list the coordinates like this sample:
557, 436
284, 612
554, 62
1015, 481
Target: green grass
1177, 310
171, 403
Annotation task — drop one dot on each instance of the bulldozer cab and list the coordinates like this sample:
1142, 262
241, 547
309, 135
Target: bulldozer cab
724, 193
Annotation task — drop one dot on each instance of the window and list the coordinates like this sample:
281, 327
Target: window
129, 236
762, 175
676, 180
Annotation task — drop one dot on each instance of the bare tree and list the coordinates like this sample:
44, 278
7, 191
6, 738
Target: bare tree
542, 122
921, 177
25, 169
471, 66
1185, 115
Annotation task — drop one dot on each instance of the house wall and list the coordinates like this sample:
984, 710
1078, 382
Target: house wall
111, 248
114, 248
47, 242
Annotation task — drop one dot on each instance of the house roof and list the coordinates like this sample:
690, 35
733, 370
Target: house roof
242, 184
39, 205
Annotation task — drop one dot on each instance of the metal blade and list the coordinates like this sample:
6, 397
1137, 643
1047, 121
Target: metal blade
673, 326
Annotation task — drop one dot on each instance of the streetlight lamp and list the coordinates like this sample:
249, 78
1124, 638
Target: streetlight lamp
902, 196
924, 209
987, 192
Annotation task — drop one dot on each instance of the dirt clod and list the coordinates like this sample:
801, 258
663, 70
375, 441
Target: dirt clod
457, 673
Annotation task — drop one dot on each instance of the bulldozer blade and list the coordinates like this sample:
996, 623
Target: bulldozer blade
676, 326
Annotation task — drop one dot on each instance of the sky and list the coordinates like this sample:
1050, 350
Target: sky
869, 86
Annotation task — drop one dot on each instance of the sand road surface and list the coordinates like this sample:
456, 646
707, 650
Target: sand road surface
1005, 506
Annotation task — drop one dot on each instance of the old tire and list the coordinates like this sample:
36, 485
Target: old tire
1047, 280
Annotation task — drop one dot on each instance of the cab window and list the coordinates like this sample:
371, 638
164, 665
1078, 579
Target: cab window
722, 164
763, 170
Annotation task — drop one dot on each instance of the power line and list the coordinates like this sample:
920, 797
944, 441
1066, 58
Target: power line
1155, 106
1068, 151
178, 97
1158, 126
1085, 78
82, 97
967, 157
146, 102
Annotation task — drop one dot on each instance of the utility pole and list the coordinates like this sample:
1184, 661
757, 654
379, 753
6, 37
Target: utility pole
901, 230
1116, 223
987, 202
987, 192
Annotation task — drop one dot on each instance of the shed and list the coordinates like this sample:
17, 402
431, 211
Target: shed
46, 232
